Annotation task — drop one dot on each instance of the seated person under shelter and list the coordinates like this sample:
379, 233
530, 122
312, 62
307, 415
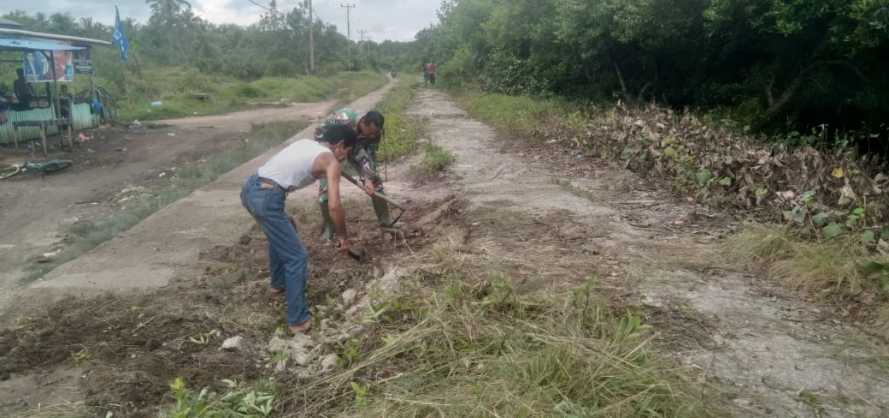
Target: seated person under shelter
23, 92
66, 101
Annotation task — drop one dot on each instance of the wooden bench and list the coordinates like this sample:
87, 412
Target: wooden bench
43, 125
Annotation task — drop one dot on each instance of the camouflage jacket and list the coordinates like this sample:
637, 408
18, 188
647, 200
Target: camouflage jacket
363, 156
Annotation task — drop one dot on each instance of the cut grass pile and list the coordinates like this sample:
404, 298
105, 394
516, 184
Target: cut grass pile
838, 269
476, 348
402, 131
84, 236
188, 92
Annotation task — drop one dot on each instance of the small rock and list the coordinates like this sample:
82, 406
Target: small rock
355, 310
298, 348
329, 362
349, 297
233, 343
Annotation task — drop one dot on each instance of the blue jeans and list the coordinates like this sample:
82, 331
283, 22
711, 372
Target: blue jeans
288, 260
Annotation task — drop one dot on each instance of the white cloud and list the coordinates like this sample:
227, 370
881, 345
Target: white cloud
383, 19
224, 11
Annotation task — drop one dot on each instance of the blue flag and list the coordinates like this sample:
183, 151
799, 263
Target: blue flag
120, 38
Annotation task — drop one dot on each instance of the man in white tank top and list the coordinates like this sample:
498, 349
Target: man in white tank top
295, 167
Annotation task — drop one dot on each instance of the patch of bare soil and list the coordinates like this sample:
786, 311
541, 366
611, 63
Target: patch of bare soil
127, 348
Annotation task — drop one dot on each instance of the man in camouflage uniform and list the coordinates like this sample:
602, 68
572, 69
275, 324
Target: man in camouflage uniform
361, 164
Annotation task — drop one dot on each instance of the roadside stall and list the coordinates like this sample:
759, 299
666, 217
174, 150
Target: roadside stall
40, 104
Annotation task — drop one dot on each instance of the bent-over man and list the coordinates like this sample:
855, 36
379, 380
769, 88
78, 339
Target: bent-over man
263, 195
361, 163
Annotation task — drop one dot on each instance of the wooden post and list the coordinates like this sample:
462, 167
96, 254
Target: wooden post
43, 139
15, 135
57, 101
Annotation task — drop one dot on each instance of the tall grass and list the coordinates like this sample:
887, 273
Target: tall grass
82, 237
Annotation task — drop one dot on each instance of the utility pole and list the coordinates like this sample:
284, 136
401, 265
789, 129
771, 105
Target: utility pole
363, 34
311, 39
348, 8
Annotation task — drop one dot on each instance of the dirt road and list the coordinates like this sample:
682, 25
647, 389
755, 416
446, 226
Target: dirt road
767, 353
537, 216
36, 209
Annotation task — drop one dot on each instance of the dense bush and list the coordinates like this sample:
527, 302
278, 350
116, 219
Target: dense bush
790, 65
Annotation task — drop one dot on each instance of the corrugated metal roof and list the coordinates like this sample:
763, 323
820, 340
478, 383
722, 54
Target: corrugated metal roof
76, 40
6, 23
23, 43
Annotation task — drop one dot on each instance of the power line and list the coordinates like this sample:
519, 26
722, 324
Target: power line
266, 8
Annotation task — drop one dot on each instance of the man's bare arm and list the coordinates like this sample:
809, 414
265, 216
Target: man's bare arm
334, 200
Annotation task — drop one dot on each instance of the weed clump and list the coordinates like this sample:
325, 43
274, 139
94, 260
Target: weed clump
436, 159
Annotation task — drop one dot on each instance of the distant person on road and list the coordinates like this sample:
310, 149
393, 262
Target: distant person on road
24, 94
429, 73
361, 164
263, 195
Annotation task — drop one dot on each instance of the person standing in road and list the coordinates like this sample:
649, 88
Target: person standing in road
429, 72
297, 166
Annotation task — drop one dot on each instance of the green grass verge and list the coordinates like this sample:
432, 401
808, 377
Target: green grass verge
188, 92
519, 115
842, 268
82, 237
402, 131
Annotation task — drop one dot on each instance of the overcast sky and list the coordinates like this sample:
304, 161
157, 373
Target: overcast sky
397, 20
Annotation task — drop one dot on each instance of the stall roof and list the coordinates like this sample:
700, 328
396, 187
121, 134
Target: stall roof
22, 43
71, 41
6, 23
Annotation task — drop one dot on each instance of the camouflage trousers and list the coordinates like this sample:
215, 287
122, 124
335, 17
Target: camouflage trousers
350, 168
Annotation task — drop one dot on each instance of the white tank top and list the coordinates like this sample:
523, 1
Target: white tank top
292, 167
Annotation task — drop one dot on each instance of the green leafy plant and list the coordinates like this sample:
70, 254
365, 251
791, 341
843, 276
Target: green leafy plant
360, 391
236, 401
